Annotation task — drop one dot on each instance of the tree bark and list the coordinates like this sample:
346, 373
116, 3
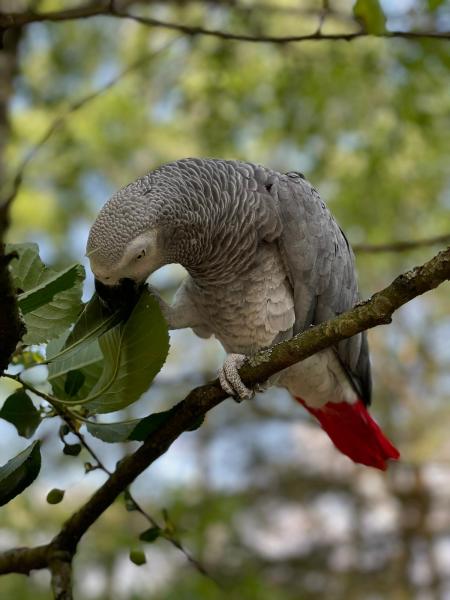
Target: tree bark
11, 325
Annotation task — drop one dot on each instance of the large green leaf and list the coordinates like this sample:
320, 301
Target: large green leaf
50, 301
94, 320
19, 472
371, 15
79, 352
19, 410
133, 352
118, 366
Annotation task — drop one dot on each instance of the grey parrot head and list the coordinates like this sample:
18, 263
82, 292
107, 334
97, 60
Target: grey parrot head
125, 244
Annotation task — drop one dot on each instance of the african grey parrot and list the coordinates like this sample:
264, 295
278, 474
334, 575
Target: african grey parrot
265, 260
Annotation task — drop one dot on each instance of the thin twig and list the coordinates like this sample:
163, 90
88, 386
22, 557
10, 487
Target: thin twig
402, 246
322, 14
73, 107
68, 417
93, 9
175, 542
274, 39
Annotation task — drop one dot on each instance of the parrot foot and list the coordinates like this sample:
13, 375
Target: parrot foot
230, 379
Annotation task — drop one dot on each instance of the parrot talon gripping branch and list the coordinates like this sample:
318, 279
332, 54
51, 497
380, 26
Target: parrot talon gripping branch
230, 379
265, 261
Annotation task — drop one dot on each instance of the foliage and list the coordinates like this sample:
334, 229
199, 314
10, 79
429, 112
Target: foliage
49, 300
55, 496
255, 494
19, 472
19, 410
128, 352
371, 15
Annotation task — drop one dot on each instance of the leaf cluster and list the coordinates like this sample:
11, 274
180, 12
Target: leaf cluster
97, 362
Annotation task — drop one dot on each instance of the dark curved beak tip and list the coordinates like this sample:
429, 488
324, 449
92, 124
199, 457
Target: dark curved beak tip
122, 296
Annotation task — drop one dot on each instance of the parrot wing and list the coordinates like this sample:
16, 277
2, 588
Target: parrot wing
320, 264
321, 269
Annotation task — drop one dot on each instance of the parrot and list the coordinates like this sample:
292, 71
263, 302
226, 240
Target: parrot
265, 260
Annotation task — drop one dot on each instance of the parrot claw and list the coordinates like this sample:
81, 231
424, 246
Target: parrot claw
230, 380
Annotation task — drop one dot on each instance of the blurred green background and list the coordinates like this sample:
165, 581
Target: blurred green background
258, 494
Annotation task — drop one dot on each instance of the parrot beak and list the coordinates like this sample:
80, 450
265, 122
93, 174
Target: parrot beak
122, 296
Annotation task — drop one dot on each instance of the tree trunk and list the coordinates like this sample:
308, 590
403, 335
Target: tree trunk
11, 326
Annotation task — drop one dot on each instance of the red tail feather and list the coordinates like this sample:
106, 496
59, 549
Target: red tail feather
353, 431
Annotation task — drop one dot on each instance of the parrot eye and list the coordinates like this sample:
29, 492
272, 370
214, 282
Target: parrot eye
140, 255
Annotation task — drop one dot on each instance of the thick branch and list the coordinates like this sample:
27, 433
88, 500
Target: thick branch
376, 311
11, 326
24, 560
94, 9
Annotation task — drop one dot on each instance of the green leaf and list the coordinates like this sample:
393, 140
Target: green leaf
87, 359
72, 449
93, 321
74, 382
150, 535
118, 367
19, 472
138, 557
48, 312
20, 411
79, 351
435, 4
149, 424
63, 431
112, 432
371, 15
90, 365
133, 353
136, 429
45, 292
55, 496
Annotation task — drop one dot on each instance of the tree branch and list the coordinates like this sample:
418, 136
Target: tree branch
377, 310
60, 565
95, 9
70, 420
136, 506
24, 560
61, 119
11, 325
402, 246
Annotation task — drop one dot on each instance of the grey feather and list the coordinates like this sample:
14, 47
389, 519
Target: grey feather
321, 266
